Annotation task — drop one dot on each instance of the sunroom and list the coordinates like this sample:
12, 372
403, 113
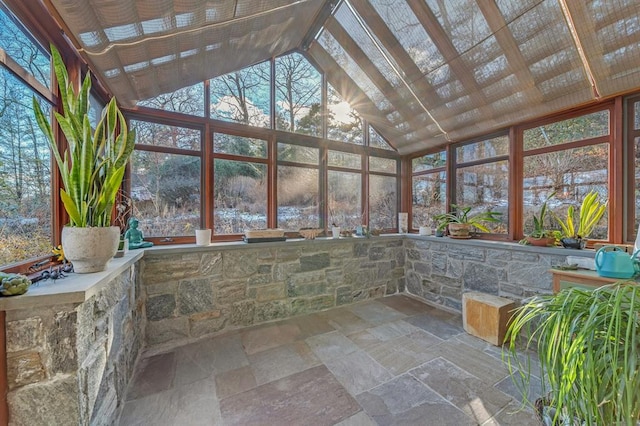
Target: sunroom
320, 151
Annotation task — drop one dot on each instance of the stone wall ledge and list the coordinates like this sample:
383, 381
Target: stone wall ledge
502, 245
76, 288
72, 289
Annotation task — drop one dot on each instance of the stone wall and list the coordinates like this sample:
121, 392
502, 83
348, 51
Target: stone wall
441, 269
70, 364
195, 293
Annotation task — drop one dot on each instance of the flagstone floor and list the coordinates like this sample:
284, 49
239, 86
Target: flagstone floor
390, 361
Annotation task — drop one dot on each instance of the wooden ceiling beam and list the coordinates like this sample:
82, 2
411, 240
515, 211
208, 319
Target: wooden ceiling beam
389, 41
509, 46
350, 92
371, 70
441, 39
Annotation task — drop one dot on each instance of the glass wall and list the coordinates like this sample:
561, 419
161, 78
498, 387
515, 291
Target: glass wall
429, 188
25, 168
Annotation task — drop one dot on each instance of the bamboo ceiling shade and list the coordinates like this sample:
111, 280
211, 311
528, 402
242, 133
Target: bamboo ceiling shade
422, 72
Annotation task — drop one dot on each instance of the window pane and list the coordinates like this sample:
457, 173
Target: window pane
165, 191
385, 165
485, 187
429, 197
298, 154
95, 110
377, 141
571, 174
188, 100
343, 123
238, 145
298, 96
484, 149
22, 48
25, 175
344, 159
429, 161
383, 202
636, 143
243, 96
298, 198
345, 199
636, 120
168, 136
574, 129
240, 196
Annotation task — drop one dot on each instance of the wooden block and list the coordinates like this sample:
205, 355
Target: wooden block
486, 316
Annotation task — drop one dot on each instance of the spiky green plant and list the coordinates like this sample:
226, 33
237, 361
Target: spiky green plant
462, 215
591, 212
588, 345
93, 166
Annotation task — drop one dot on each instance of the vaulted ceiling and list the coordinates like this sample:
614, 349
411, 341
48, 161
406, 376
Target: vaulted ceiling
423, 72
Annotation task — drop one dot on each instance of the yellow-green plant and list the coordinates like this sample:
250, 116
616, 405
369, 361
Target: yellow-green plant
591, 212
93, 166
588, 345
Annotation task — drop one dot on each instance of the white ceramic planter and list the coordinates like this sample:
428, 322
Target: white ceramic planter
91, 248
335, 231
203, 237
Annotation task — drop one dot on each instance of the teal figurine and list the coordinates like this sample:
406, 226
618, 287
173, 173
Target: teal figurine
135, 236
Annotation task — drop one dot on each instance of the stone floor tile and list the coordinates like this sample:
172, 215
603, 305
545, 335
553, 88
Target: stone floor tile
156, 409
513, 415
402, 354
282, 361
310, 325
344, 321
462, 389
507, 386
358, 372
443, 327
194, 362
364, 339
478, 363
375, 313
228, 353
262, 338
391, 330
154, 374
235, 381
360, 419
331, 345
405, 304
197, 404
406, 401
312, 397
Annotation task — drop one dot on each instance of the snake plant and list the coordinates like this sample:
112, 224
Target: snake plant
591, 212
588, 345
93, 166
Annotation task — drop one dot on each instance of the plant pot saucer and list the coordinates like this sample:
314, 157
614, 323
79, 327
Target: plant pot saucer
460, 237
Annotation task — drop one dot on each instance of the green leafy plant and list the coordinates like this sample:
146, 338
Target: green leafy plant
463, 215
93, 166
590, 214
539, 230
588, 346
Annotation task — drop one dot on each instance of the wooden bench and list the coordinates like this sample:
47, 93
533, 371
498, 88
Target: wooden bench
486, 316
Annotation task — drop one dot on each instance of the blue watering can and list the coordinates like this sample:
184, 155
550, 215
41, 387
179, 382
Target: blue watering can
613, 262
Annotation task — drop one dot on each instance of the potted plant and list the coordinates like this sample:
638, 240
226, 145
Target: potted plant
541, 236
575, 233
460, 221
588, 346
91, 169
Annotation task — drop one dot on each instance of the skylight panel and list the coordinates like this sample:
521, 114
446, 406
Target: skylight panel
410, 33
